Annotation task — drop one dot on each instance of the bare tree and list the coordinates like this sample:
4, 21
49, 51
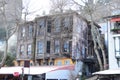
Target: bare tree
26, 13
60, 5
9, 30
91, 10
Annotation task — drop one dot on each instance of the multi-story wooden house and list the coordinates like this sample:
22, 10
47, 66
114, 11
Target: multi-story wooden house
52, 39
60, 39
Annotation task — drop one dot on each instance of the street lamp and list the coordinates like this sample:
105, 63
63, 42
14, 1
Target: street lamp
117, 49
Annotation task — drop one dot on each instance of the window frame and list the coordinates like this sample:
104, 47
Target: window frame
49, 25
29, 51
57, 24
66, 46
22, 48
57, 46
66, 22
40, 47
59, 63
41, 25
23, 31
48, 46
30, 30
67, 62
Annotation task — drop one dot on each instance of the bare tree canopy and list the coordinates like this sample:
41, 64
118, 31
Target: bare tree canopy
9, 22
91, 10
94, 11
60, 5
98, 8
29, 11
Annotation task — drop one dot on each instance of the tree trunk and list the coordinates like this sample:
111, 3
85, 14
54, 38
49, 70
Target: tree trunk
96, 39
102, 49
5, 54
6, 37
95, 46
34, 46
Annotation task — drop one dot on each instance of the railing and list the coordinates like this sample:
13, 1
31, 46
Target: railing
116, 30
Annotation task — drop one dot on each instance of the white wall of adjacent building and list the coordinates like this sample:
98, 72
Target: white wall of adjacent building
111, 52
60, 75
109, 42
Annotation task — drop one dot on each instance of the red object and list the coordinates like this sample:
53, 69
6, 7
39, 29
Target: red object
16, 74
115, 19
66, 67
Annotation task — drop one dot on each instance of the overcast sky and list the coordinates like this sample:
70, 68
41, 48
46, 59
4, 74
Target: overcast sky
37, 7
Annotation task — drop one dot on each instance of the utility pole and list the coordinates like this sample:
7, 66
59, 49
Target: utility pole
23, 73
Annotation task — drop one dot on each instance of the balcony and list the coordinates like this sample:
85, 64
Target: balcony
116, 30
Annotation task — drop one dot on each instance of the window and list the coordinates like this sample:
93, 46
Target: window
49, 24
59, 63
30, 29
41, 24
48, 46
22, 49
40, 27
67, 62
40, 47
66, 46
23, 32
66, 22
29, 49
57, 46
117, 24
57, 24
117, 49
